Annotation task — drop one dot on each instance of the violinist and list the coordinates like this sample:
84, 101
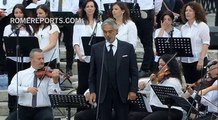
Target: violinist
33, 100
169, 75
209, 95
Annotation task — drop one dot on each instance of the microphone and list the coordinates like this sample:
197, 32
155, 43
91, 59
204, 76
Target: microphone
213, 62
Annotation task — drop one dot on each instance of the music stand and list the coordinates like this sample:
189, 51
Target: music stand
138, 104
179, 45
163, 93
107, 13
26, 45
186, 105
68, 101
87, 43
134, 10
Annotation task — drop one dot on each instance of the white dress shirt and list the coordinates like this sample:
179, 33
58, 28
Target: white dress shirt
211, 100
144, 4
25, 80
34, 5
43, 36
128, 33
22, 32
171, 82
9, 5
114, 48
67, 5
80, 30
199, 34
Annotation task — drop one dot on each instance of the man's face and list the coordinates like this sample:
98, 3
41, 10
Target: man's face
213, 71
38, 60
109, 33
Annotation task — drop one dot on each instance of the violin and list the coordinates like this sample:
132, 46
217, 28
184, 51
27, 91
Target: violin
160, 76
45, 71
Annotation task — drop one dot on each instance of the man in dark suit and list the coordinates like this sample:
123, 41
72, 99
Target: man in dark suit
113, 77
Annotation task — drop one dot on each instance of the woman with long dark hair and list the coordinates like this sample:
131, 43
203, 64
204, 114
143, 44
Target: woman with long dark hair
85, 27
47, 34
169, 75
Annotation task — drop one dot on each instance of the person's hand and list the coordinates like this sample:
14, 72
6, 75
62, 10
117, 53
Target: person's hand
32, 90
92, 98
142, 85
163, 24
81, 58
190, 90
55, 75
87, 96
132, 96
200, 64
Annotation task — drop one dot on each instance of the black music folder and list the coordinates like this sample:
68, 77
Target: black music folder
26, 45
89, 41
180, 45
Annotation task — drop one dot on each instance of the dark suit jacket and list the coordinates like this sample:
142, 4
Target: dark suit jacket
127, 70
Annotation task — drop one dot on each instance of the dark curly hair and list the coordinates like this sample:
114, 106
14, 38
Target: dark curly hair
200, 15
84, 15
173, 65
167, 13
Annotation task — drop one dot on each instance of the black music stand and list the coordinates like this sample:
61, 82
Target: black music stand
87, 43
185, 104
138, 104
179, 45
107, 13
68, 101
26, 45
163, 93
134, 10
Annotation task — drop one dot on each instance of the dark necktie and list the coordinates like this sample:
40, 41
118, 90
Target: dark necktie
111, 50
60, 5
4, 2
34, 99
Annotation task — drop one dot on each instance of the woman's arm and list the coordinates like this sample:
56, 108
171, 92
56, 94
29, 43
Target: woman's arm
52, 41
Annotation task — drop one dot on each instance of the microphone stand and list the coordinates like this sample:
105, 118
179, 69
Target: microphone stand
171, 40
93, 34
100, 84
17, 31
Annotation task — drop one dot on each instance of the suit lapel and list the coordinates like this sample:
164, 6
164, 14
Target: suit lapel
104, 49
119, 53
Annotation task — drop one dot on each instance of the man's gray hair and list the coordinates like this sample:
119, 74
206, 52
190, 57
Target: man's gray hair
111, 22
33, 51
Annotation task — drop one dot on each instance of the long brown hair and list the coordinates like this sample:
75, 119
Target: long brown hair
126, 14
84, 15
